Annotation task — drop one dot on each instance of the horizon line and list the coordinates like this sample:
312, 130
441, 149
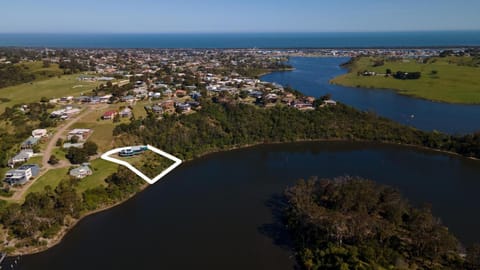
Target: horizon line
241, 32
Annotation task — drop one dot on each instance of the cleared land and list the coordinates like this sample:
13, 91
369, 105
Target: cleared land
449, 79
101, 170
51, 88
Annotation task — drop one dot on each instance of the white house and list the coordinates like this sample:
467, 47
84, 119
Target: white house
39, 133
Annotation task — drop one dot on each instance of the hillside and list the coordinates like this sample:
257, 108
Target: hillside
445, 79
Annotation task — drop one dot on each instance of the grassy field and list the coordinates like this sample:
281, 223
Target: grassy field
101, 170
51, 88
41, 72
52, 178
443, 79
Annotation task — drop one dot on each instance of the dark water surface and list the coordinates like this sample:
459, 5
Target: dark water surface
312, 76
216, 212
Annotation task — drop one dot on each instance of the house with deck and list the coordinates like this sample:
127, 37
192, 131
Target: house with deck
81, 171
22, 174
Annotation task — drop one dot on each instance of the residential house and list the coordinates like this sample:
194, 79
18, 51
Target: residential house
76, 145
127, 112
168, 93
29, 143
168, 106
22, 156
105, 99
183, 107
109, 115
128, 99
303, 106
157, 109
81, 171
329, 102
180, 93
39, 133
81, 133
195, 95
21, 175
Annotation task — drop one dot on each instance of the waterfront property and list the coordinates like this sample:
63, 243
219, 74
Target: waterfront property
22, 174
133, 151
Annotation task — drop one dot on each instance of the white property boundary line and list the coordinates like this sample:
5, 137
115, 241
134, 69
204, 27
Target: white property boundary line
107, 156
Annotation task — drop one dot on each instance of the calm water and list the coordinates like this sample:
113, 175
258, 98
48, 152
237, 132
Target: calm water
312, 76
246, 40
216, 212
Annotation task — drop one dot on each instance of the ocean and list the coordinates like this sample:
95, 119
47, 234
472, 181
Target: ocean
246, 40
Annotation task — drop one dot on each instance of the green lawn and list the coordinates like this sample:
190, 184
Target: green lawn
59, 153
442, 78
51, 88
101, 170
35, 160
52, 178
102, 133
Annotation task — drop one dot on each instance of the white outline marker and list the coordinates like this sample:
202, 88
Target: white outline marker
177, 162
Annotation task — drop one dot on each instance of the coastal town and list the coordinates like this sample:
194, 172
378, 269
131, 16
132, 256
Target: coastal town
128, 84
82, 103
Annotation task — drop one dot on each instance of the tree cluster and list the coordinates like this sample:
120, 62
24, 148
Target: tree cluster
353, 223
43, 214
223, 126
402, 75
81, 155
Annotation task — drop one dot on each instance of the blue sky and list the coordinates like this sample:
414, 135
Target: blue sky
149, 16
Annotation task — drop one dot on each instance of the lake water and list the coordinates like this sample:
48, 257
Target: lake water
246, 40
312, 76
217, 212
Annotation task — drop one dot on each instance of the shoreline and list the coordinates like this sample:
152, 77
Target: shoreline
274, 70
401, 92
58, 238
64, 231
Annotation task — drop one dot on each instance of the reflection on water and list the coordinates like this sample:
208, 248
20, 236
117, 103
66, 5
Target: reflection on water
221, 211
312, 76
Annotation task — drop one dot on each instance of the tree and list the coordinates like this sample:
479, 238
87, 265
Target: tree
74, 139
116, 118
59, 142
90, 148
473, 256
53, 160
327, 96
77, 155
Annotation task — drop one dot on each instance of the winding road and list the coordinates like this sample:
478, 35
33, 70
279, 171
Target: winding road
20, 192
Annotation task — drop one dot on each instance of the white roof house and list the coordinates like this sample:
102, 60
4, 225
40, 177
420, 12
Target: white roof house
81, 172
39, 133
